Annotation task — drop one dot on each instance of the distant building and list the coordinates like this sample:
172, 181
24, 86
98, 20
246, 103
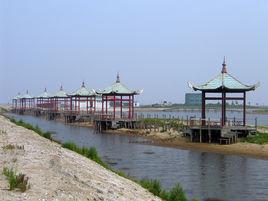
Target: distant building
193, 99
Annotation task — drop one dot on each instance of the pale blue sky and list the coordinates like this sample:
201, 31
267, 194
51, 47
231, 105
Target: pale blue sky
155, 45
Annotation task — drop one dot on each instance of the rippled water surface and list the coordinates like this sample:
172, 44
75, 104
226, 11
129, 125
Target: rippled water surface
201, 174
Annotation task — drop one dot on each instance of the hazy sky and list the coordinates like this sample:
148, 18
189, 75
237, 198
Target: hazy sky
155, 45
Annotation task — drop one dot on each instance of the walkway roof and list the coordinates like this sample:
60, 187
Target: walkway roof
45, 94
60, 94
118, 89
83, 91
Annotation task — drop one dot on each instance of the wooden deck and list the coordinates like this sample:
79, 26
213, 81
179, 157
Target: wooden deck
218, 134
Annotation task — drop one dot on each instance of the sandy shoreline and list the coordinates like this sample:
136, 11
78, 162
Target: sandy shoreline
56, 173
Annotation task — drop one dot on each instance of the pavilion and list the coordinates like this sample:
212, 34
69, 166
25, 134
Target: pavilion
84, 96
223, 84
43, 101
16, 103
26, 101
60, 101
118, 96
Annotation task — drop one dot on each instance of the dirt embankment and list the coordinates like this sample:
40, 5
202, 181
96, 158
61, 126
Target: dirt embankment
56, 173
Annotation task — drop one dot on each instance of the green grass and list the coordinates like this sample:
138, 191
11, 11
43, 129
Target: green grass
12, 147
19, 181
3, 110
90, 153
154, 186
172, 123
259, 138
33, 128
9, 147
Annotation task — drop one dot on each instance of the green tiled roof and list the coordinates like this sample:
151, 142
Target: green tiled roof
45, 94
18, 96
224, 81
83, 91
26, 96
117, 88
60, 94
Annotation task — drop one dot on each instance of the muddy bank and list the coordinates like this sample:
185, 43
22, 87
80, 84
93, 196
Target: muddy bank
175, 140
56, 173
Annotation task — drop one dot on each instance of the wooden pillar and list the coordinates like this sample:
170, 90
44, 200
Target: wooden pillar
79, 100
102, 106
223, 107
244, 109
203, 116
129, 106
121, 107
209, 131
94, 103
225, 118
132, 106
71, 104
114, 106
200, 132
89, 104
75, 107
106, 104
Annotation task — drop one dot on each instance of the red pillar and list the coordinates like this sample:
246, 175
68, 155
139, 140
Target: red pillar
121, 107
94, 103
102, 106
203, 115
132, 106
244, 109
223, 116
79, 105
129, 106
106, 104
114, 107
57, 104
89, 104
71, 104
75, 104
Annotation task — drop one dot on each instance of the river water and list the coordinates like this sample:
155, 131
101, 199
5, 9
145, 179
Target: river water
201, 174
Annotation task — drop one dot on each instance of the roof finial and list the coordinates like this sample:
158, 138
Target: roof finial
61, 88
45, 89
224, 69
83, 84
118, 78
27, 91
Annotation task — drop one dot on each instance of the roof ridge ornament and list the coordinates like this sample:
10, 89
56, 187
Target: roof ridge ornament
224, 68
61, 88
45, 89
118, 78
27, 92
83, 84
